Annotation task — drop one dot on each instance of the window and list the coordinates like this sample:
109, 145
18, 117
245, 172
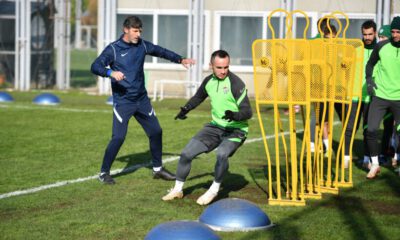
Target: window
275, 26
237, 35
355, 22
300, 26
354, 30
166, 28
173, 34
7, 38
237, 31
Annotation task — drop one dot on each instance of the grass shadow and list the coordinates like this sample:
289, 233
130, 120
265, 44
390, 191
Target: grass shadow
356, 212
232, 183
136, 161
257, 174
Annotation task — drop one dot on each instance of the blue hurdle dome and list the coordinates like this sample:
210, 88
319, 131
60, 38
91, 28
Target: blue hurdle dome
233, 214
110, 100
5, 97
46, 99
180, 230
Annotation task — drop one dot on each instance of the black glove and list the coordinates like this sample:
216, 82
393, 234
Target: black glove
371, 86
229, 115
182, 114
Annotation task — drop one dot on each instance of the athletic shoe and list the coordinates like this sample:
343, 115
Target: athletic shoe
172, 194
106, 178
373, 172
206, 198
163, 174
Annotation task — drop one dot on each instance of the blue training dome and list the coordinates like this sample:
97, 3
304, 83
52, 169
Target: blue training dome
233, 214
5, 97
46, 99
182, 230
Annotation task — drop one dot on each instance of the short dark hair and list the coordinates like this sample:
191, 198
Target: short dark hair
133, 22
323, 21
219, 53
331, 30
368, 24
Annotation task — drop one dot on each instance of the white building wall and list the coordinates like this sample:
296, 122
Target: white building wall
362, 9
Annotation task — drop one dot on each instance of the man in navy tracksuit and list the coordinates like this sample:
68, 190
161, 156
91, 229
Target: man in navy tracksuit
122, 61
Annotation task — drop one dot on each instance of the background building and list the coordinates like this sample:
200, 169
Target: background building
27, 30
53, 25
233, 25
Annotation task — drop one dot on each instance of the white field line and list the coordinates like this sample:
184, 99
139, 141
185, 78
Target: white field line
114, 172
117, 171
78, 110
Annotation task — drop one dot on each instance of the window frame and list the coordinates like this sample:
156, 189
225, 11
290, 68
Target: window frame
365, 16
313, 16
154, 65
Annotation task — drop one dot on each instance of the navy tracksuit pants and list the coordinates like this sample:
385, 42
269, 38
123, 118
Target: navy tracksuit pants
146, 117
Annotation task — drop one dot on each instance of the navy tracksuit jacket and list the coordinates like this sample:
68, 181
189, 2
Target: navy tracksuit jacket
130, 95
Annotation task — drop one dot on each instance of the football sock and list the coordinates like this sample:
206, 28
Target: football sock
178, 186
312, 146
156, 169
375, 160
215, 187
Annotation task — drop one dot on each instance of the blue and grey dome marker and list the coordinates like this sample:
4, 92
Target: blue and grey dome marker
6, 97
182, 230
46, 99
233, 214
110, 100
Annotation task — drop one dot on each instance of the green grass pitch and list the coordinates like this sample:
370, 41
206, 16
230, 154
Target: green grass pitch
41, 145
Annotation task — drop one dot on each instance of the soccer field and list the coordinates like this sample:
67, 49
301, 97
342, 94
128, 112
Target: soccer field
44, 145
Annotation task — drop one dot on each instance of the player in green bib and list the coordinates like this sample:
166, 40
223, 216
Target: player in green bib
389, 133
230, 110
368, 31
384, 88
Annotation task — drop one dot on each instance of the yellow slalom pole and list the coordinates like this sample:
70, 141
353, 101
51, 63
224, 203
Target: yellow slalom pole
264, 138
306, 122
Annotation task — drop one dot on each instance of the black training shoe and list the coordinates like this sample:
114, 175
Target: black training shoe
106, 178
163, 174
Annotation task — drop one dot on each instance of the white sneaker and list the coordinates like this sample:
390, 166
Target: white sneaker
374, 171
206, 198
172, 195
